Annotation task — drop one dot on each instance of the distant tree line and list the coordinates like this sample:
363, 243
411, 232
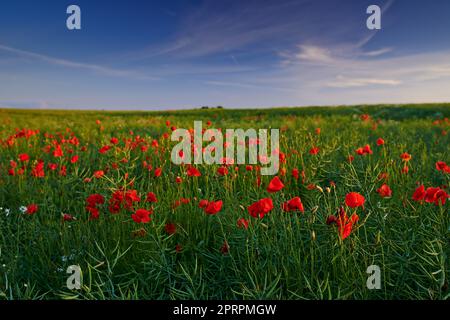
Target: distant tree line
207, 107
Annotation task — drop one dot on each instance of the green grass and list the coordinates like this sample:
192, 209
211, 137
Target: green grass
282, 256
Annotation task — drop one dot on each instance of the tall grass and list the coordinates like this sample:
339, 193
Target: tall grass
282, 256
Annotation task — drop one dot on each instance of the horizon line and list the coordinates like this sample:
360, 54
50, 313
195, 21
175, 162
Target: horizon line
205, 108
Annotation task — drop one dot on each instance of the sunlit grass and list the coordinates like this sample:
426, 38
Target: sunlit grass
285, 255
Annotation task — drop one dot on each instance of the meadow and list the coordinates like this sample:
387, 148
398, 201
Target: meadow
357, 186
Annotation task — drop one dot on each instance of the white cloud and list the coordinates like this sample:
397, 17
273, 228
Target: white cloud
314, 54
343, 82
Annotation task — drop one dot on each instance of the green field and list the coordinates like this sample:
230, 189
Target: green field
185, 253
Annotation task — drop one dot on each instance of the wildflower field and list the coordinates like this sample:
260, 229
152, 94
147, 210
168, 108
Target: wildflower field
357, 186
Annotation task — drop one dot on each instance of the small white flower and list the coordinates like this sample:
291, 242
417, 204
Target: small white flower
7, 212
23, 209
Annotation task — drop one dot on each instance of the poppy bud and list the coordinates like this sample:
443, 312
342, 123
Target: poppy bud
331, 219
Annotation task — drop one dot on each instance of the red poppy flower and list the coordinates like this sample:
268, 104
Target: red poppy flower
131, 196
68, 217
185, 200
170, 228
405, 156
193, 172
419, 193
151, 197
436, 196
144, 148
158, 172
95, 213
142, 216
242, 223
223, 171
405, 169
367, 149
430, 194
275, 185
354, 200
384, 191
38, 170
380, 142
32, 209
58, 152
345, 224
441, 197
260, 208
314, 150
63, 171
24, 157
213, 207
74, 159
364, 150
114, 140
293, 204
98, 174
178, 180
104, 149
440, 165
295, 173
203, 203
95, 199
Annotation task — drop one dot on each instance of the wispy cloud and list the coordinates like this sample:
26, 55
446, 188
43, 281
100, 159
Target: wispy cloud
79, 65
223, 27
343, 82
376, 53
314, 54
257, 86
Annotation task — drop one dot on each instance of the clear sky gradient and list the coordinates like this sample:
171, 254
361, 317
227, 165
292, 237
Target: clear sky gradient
174, 54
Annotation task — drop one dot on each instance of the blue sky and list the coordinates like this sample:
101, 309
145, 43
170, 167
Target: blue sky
175, 54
